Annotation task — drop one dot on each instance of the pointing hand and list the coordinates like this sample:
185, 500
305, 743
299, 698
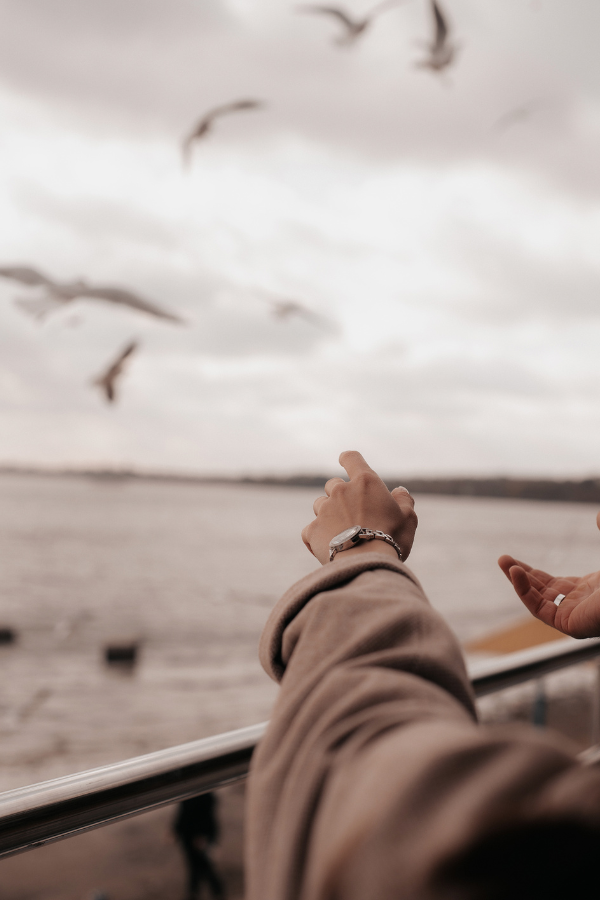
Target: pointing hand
363, 500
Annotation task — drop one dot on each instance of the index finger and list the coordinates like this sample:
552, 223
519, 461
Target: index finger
506, 562
354, 463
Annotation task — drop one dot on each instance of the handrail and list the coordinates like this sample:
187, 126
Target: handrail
491, 675
52, 810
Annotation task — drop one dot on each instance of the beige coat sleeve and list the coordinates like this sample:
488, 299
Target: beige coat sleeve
374, 776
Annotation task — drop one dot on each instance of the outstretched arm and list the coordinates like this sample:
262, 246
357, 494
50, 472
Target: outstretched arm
577, 615
373, 779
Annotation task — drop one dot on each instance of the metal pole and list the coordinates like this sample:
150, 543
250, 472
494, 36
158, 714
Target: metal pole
539, 710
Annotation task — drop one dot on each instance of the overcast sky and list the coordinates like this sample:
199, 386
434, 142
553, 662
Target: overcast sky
454, 259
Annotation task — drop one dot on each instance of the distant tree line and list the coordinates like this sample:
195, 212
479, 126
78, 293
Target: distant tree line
585, 491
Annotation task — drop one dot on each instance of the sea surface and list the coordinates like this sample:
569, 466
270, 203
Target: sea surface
190, 571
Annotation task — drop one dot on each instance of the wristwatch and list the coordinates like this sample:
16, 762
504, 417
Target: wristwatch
352, 536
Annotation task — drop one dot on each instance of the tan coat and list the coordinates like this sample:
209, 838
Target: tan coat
373, 777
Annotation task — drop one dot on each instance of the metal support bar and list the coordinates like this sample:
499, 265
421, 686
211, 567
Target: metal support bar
539, 710
41, 813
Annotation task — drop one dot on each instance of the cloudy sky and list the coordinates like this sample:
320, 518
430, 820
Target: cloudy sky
451, 251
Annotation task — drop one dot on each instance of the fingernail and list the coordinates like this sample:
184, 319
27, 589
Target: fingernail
401, 488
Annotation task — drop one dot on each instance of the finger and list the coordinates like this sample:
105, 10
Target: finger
354, 463
318, 504
407, 506
402, 497
513, 562
329, 485
542, 609
598, 520
506, 562
537, 576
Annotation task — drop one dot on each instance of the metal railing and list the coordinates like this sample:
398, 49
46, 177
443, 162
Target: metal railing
52, 810
490, 676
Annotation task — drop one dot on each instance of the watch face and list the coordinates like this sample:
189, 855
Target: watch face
344, 536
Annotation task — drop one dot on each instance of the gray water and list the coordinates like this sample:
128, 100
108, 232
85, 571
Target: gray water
191, 571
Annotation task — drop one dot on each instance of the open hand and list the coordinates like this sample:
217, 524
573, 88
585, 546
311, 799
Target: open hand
578, 614
363, 500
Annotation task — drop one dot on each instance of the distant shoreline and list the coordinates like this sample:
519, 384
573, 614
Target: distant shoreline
568, 491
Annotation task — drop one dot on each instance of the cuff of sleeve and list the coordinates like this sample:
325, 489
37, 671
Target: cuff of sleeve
327, 578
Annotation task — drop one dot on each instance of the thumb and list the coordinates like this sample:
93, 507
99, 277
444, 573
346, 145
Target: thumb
520, 580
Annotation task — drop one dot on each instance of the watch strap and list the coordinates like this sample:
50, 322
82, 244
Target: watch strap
368, 534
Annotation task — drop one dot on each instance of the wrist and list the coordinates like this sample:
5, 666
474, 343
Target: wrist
374, 546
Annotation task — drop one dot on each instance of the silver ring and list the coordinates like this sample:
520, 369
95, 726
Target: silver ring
558, 600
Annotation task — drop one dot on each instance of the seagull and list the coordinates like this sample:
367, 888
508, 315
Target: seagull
441, 51
206, 122
107, 380
285, 309
353, 27
514, 116
61, 293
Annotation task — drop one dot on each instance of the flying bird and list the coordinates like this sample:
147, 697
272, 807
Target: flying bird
353, 28
61, 293
206, 122
285, 309
108, 379
441, 50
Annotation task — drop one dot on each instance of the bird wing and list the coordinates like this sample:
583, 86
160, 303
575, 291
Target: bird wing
238, 105
441, 25
285, 308
108, 378
208, 118
127, 298
331, 11
205, 123
26, 275
118, 363
200, 129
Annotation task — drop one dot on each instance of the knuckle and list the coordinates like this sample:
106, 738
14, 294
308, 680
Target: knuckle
366, 479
